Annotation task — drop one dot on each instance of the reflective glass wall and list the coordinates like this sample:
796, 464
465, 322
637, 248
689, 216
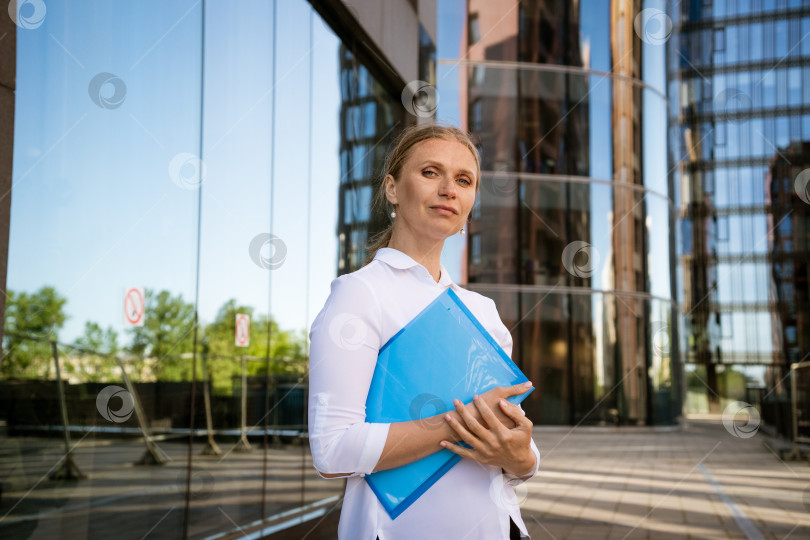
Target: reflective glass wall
184, 173
572, 234
739, 77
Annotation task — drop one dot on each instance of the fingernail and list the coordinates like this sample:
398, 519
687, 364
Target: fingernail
528, 384
456, 402
475, 397
448, 417
503, 403
443, 444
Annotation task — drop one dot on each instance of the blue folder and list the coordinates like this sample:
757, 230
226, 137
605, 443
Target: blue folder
441, 354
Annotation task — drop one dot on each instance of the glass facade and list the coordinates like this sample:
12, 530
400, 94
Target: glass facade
572, 232
188, 179
739, 84
367, 125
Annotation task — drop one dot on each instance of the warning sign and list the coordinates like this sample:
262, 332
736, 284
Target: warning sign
133, 306
242, 330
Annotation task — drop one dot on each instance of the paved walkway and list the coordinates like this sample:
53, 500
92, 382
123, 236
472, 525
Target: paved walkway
122, 500
702, 482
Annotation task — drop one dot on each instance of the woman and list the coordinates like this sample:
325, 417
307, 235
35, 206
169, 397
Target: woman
431, 178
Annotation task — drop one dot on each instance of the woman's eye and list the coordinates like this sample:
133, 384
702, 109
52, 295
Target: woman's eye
465, 180
428, 171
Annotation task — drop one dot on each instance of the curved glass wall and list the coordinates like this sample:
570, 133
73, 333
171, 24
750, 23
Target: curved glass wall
573, 231
740, 87
183, 176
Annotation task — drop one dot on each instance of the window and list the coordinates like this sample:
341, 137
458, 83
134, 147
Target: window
719, 39
473, 30
475, 248
794, 86
361, 162
755, 43
357, 205
722, 229
477, 77
477, 116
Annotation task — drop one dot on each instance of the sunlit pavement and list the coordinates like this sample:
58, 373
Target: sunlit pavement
699, 482
123, 500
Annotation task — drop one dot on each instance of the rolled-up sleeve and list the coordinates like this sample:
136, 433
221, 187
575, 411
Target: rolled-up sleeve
344, 343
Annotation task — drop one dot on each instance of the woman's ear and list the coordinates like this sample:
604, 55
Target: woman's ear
390, 189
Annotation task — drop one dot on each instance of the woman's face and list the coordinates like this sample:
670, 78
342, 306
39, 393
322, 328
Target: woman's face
438, 173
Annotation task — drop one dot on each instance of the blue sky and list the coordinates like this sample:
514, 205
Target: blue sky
94, 208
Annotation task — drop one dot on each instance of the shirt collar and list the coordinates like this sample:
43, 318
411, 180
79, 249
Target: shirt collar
397, 259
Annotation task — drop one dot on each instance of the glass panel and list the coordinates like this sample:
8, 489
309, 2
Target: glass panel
654, 143
545, 341
578, 349
280, 136
235, 241
658, 260
663, 372
594, 34
107, 178
600, 140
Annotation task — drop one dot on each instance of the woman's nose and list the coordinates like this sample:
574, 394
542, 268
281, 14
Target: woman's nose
448, 186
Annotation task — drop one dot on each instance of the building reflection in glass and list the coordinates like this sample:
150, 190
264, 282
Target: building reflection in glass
788, 199
571, 235
216, 156
737, 76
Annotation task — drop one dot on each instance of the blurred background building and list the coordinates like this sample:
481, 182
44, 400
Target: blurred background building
572, 234
740, 121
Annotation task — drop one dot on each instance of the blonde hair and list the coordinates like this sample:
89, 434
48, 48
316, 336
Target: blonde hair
400, 151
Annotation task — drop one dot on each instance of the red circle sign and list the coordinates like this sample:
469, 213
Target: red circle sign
133, 306
242, 330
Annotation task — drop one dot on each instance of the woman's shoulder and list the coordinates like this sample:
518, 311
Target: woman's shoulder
354, 285
356, 281
350, 301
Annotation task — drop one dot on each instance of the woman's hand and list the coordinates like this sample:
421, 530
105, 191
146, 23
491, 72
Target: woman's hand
492, 398
494, 443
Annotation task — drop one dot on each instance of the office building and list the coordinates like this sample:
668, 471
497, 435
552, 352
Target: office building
739, 85
574, 230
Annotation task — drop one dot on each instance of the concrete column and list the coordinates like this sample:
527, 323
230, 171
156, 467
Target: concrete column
8, 72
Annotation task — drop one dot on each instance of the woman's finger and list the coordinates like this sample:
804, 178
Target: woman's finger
495, 425
458, 449
513, 411
462, 430
471, 423
517, 389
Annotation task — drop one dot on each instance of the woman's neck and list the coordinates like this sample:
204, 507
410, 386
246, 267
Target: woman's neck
428, 256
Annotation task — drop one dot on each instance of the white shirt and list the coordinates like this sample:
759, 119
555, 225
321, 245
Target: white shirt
363, 311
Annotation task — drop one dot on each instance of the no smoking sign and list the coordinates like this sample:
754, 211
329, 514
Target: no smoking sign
133, 306
242, 330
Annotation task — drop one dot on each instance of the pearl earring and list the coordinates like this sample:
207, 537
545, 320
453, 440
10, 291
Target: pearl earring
462, 232
394, 214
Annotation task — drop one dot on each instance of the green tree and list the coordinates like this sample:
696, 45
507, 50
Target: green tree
286, 350
40, 314
218, 340
286, 353
95, 367
167, 333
